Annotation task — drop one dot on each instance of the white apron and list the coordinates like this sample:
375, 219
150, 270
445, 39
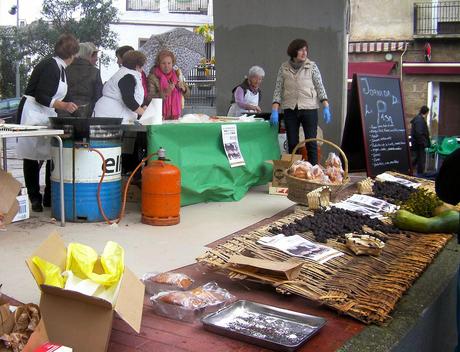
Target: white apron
35, 114
111, 103
249, 98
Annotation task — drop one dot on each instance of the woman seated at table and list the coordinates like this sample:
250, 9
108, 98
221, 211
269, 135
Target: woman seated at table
167, 82
246, 96
123, 94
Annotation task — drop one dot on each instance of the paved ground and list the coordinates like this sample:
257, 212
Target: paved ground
147, 248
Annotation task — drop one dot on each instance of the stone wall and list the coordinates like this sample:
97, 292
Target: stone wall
258, 32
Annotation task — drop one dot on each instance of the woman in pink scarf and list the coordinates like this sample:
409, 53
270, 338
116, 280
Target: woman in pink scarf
167, 83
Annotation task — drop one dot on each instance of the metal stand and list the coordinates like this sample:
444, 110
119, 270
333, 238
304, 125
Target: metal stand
61, 179
38, 133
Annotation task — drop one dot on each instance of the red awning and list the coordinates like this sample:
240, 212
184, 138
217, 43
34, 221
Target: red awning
376, 68
434, 68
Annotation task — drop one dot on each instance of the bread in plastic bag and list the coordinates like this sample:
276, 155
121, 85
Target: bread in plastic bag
333, 160
301, 169
169, 281
335, 174
191, 305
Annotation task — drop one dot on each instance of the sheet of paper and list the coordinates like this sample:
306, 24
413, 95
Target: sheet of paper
390, 178
153, 115
367, 205
298, 246
231, 145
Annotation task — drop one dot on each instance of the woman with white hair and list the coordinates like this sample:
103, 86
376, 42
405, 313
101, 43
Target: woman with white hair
246, 96
84, 80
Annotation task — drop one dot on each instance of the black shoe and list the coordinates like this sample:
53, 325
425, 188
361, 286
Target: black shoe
37, 206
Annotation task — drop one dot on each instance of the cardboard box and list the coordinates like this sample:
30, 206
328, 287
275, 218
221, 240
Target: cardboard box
9, 189
83, 322
265, 268
279, 191
52, 347
38, 338
278, 169
23, 206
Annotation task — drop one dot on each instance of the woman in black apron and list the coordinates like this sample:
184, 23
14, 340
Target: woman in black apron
45, 92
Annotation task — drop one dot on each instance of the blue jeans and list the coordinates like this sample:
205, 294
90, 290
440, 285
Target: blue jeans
309, 121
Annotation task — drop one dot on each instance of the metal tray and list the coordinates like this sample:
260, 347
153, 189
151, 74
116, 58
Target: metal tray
266, 326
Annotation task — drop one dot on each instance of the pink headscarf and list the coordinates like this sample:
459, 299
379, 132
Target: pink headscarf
172, 104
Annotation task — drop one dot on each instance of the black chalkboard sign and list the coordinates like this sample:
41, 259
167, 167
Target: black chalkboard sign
375, 131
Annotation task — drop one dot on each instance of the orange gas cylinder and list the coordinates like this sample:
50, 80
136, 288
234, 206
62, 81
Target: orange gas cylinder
160, 193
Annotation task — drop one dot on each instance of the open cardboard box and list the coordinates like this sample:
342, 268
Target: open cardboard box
77, 320
279, 180
9, 189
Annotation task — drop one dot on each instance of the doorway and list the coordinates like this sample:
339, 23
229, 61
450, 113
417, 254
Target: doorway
449, 109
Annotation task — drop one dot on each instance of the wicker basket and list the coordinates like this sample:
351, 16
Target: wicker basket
298, 188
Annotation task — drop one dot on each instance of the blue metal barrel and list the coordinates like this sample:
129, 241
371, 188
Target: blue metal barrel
83, 170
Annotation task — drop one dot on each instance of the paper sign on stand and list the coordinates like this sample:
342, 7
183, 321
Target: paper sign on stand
153, 115
231, 145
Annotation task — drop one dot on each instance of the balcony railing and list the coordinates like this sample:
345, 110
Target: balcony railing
202, 82
143, 5
188, 6
438, 19
202, 94
202, 72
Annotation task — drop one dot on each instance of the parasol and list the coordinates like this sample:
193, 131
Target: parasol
188, 47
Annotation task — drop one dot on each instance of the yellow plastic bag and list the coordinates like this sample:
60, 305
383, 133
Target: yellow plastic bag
51, 273
81, 260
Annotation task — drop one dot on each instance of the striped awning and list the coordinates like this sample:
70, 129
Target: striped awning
375, 68
376, 47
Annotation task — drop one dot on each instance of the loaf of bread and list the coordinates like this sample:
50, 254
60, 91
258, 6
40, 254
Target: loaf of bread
184, 299
207, 296
179, 280
198, 297
301, 169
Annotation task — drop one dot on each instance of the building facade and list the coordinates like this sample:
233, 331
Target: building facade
419, 41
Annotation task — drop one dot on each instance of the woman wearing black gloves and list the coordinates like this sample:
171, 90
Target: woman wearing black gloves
123, 93
298, 90
45, 92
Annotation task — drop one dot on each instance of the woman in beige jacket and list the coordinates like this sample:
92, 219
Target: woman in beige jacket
299, 91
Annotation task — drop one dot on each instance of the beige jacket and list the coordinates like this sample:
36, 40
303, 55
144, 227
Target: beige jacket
154, 86
298, 88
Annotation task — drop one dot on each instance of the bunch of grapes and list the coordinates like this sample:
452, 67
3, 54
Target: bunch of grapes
334, 224
392, 192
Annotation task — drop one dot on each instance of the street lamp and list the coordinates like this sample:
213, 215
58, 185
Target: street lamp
14, 10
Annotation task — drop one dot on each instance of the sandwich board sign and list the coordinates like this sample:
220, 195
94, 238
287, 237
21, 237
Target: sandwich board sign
375, 136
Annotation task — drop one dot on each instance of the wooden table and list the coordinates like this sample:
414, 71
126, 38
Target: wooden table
163, 334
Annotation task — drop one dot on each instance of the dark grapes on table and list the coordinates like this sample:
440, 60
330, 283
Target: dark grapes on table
392, 192
334, 224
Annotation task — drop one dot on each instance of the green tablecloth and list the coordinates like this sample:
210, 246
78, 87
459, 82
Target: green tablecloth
206, 174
